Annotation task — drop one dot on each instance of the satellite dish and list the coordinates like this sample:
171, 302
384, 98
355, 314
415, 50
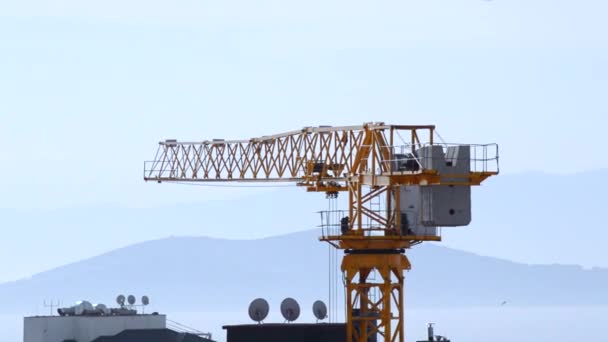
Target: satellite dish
290, 309
120, 300
145, 300
102, 309
82, 307
320, 310
78, 310
131, 299
258, 309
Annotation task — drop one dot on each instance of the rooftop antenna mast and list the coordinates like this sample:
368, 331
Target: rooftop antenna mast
51, 305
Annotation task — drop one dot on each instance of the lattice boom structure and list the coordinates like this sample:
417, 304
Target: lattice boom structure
401, 164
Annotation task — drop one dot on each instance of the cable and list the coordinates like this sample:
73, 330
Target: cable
186, 329
235, 186
440, 137
329, 261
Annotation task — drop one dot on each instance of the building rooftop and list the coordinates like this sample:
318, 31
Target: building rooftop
152, 335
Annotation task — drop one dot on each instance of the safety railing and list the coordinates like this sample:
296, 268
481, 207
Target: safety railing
184, 329
390, 160
481, 158
337, 223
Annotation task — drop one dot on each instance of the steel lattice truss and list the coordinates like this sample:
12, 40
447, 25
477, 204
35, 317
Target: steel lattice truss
309, 156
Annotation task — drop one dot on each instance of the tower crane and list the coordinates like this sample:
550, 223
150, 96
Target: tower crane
421, 184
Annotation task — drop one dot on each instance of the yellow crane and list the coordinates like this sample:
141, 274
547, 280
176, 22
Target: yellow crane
402, 186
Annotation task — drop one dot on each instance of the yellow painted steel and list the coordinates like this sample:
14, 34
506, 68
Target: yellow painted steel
377, 315
359, 160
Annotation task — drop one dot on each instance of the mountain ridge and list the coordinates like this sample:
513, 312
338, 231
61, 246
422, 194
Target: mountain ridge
525, 218
189, 273
218, 239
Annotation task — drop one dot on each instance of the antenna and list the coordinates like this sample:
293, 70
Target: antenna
290, 309
120, 300
319, 309
258, 309
52, 305
131, 299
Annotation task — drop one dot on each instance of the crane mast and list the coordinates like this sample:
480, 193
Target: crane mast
402, 185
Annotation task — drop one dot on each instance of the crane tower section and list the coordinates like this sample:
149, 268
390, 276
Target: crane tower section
401, 183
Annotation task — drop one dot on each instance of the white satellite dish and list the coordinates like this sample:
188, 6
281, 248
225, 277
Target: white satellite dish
145, 300
102, 309
258, 309
131, 299
82, 307
120, 300
320, 310
290, 309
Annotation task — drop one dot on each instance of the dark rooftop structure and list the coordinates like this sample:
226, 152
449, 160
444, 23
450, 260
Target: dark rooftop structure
152, 335
321, 332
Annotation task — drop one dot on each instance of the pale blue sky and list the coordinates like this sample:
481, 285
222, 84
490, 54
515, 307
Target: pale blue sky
88, 88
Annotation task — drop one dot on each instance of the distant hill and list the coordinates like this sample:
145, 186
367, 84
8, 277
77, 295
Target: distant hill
538, 218
529, 218
204, 274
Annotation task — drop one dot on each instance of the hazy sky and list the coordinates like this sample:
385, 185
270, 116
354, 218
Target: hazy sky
88, 88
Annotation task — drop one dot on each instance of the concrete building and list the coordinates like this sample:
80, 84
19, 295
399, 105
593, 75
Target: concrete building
85, 328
